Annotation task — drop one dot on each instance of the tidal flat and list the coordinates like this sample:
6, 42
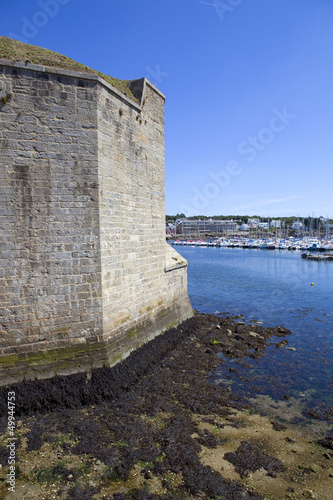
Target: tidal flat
161, 425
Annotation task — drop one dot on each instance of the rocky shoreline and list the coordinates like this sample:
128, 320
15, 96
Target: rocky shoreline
156, 427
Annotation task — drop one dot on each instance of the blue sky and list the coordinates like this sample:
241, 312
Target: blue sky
249, 109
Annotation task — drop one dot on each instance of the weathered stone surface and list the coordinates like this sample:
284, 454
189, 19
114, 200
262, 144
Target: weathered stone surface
83, 254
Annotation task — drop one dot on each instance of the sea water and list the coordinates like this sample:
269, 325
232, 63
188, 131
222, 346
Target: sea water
274, 288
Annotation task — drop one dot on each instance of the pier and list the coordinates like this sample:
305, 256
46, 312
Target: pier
317, 257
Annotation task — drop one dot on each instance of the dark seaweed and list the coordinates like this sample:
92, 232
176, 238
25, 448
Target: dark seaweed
277, 426
137, 495
249, 458
35, 439
79, 493
4, 454
326, 442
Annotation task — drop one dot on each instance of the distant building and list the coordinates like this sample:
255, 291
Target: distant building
297, 225
253, 222
200, 227
275, 223
244, 227
263, 225
170, 228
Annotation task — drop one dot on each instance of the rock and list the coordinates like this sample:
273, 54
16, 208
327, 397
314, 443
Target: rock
218, 326
256, 335
314, 467
309, 494
291, 348
282, 343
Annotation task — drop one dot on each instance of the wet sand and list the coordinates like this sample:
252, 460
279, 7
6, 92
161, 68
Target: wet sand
155, 427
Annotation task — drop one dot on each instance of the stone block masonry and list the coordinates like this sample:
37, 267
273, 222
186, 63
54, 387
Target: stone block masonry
85, 273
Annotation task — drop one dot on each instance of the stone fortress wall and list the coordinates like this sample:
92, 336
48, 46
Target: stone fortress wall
85, 273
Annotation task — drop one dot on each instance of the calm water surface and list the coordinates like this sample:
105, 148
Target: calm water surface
273, 287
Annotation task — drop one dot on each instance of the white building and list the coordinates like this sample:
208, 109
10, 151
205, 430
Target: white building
253, 222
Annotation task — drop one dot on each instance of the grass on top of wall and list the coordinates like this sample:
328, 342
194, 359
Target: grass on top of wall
16, 51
